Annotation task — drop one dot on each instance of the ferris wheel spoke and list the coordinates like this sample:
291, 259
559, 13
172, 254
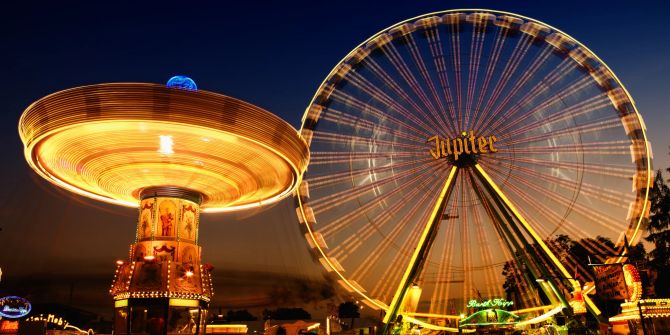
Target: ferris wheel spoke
338, 198
354, 194
601, 219
402, 68
321, 158
395, 267
603, 148
511, 65
368, 173
321, 181
366, 142
344, 119
599, 169
601, 194
418, 256
383, 97
440, 65
494, 110
543, 85
563, 117
528, 73
357, 240
345, 220
492, 287
596, 126
584, 107
476, 46
456, 63
494, 57
439, 115
373, 258
408, 75
351, 100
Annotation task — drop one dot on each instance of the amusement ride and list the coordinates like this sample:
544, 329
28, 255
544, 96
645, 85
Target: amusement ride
172, 151
451, 152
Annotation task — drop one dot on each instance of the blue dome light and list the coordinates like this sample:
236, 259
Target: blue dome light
183, 83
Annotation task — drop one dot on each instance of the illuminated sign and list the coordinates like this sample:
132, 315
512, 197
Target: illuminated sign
58, 322
52, 319
13, 307
467, 144
633, 282
610, 282
489, 303
9, 327
490, 317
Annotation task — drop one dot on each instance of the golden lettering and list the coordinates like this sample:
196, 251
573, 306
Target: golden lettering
449, 152
459, 150
465, 145
436, 153
472, 141
481, 142
492, 139
468, 143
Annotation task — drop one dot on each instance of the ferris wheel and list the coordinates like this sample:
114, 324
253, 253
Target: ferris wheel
450, 151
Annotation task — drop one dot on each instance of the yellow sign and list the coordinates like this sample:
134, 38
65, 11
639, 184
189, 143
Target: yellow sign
445, 147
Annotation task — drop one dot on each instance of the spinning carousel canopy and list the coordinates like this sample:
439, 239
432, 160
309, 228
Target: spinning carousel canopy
111, 141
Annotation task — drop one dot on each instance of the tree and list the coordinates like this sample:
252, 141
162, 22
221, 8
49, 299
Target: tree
350, 310
241, 315
637, 254
659, 221
511, 286
659, 232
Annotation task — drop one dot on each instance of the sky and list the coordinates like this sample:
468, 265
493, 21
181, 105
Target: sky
274, 54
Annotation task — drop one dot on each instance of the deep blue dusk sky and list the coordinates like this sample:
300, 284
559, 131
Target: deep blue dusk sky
272, 54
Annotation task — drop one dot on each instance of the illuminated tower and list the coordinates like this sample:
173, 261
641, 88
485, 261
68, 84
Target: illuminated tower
165, 285
173, 151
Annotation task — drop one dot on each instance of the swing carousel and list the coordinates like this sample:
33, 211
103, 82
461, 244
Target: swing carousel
172, 152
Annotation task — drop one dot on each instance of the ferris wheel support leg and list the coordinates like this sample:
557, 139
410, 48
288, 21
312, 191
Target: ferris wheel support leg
535, 264
550, 284
536, 238
418, 258
510, 240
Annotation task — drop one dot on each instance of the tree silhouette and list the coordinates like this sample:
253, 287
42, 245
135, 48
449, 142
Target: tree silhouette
348, 310
241, 315
659, 234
